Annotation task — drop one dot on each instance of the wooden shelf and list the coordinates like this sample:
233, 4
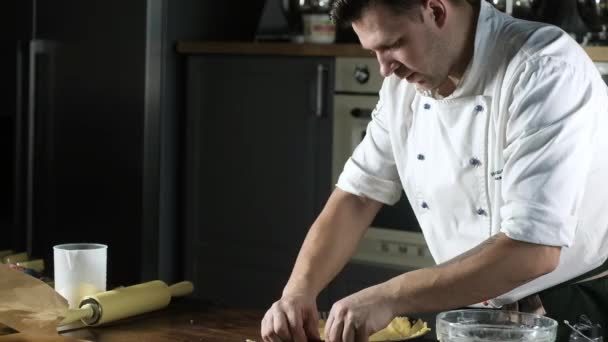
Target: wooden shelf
282, 49
598, 53
317, 50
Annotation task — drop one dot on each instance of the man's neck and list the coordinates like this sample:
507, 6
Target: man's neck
469, 13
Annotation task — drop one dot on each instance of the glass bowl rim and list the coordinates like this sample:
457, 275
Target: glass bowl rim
441, 321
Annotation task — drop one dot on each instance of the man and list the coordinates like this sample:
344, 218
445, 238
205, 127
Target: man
496, 129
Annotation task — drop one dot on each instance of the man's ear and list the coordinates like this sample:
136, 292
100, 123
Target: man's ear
435, 11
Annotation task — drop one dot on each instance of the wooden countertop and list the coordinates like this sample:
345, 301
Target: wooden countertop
310, 50
182, 320
191, 320
598, 53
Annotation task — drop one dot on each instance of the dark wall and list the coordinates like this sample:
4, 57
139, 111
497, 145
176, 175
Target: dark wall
218, 20
6, 179
90, 123
7, 147
8, 59
108, 126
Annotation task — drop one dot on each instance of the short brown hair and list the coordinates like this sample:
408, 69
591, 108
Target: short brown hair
344, 12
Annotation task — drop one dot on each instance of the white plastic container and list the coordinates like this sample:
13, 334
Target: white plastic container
80, 270
318, 28
494, 325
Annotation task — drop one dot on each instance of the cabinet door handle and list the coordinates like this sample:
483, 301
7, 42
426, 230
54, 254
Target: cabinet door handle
321, 70
361, 113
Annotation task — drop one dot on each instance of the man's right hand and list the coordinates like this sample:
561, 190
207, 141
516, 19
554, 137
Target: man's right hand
329, 244
291, 318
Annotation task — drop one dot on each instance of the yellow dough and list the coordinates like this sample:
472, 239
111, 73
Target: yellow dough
398, 329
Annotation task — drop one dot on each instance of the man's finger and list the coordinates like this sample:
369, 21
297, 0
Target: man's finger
272, 335
348, 333
274, 338
328, 324
337, 327
361, 335
311, 325
296, 326
281, 326
264, 329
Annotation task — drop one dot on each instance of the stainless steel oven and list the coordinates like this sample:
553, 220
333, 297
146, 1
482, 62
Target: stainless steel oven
394, 239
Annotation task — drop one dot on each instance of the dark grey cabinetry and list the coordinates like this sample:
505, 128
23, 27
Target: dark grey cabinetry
357, 276
258, 170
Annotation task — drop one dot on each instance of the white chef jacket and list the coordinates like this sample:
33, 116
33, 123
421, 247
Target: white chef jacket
520, 147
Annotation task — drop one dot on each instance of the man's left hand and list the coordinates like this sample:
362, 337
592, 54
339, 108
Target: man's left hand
356, 317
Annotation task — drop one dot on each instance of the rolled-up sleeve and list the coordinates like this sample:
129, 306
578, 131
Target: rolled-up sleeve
548, 152
371, 171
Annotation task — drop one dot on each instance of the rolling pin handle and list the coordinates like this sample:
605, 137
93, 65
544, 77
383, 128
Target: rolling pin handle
183, 288
73, 315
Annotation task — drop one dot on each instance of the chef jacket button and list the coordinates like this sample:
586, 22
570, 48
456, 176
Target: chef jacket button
427, 106
479, 108
421, 157
474, 162
424, 205
481, 212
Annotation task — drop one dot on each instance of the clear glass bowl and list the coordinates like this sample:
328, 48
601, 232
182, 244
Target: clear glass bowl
494, 325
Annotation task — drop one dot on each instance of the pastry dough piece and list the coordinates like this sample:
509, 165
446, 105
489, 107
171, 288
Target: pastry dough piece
398, 329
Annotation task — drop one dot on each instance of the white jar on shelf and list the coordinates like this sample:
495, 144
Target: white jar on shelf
318, 28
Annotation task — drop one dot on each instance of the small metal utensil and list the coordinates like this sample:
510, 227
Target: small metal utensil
584, 324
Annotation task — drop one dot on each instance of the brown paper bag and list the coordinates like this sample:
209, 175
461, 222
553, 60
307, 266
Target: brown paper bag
28, 305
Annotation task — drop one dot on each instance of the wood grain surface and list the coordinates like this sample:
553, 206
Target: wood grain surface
191, 320
183, 320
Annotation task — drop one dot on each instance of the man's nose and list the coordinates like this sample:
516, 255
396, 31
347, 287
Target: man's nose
387, 65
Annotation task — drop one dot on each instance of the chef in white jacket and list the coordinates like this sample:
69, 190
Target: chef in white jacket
497, 130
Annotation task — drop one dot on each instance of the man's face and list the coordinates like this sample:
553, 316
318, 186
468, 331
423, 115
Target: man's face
409, 45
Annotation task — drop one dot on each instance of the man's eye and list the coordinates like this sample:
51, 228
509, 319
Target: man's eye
396, 44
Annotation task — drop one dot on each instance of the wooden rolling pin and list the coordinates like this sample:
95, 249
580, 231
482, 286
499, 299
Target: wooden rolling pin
125, 302
15, 258
36, 265
5, 253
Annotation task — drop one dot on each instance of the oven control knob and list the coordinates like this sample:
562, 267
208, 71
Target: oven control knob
361, 73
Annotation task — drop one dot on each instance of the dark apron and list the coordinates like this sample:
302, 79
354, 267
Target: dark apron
569, 300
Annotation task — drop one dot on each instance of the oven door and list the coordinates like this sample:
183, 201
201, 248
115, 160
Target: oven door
394, 238
351, 116
352, 113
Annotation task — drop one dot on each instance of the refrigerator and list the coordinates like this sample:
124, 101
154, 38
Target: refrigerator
81, 131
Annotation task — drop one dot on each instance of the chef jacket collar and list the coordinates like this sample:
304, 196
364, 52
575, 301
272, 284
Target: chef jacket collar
479, 69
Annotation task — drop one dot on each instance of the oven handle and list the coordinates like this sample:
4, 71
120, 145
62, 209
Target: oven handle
321, 71
361, 113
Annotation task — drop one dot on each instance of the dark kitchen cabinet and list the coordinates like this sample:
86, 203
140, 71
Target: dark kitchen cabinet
258, 171
356, 276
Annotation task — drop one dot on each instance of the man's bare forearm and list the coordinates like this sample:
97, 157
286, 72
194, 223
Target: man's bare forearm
331, 241
493, 268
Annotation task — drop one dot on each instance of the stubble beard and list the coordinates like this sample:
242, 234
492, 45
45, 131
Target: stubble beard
439, 56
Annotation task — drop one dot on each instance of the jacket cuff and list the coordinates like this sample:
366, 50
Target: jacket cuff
539, 225
356, 181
